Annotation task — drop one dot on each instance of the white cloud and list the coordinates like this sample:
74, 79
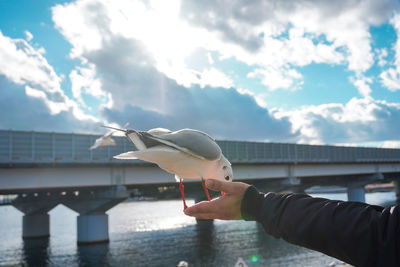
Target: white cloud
140, 51
396, 24
84, 81
362, 84
210, 58
214, 78
391, 77
275, 38
381, 56
391, 144
83, 31
359, 121
258, 98
285, 35
141, 62
166, 38
23, 65
54, 107
32, 111
278, 78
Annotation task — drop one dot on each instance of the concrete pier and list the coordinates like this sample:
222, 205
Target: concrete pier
36, 225
92, 228
356, 189
356, 193
92, 222
36, 220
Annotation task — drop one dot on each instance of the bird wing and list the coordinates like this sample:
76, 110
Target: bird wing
93, 147
164, 156
169, 159
193, 142
109, 134
96, 144
154, 154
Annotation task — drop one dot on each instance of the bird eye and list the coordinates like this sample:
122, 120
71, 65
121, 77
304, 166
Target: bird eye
224, 168
227, 178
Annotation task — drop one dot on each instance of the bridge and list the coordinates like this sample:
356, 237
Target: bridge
44, 169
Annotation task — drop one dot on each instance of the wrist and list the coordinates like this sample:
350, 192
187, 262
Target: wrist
251, 204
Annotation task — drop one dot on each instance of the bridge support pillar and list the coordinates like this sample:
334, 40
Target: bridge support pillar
92, 222
92, 228
36, 220
356, 193
35, 226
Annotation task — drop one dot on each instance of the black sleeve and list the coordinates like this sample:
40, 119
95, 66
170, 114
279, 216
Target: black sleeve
357, 233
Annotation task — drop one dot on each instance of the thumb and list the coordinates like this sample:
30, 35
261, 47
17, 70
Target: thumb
218, 185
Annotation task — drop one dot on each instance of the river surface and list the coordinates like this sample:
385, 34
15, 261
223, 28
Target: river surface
156, 233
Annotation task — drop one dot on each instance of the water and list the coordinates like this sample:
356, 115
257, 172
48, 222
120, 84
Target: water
155, 233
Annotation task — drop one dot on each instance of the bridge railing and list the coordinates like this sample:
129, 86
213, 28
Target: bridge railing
283, 152
48, 147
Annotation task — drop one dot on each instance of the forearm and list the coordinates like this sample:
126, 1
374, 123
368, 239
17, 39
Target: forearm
354, 232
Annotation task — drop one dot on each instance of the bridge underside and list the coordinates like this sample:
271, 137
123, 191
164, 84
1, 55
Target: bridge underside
59, 177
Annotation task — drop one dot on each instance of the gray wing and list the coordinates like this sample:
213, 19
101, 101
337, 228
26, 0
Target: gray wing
194, 142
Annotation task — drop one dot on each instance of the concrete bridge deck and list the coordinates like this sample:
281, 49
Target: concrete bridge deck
41, 161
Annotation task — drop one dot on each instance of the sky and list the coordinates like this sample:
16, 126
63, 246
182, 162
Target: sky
296, 71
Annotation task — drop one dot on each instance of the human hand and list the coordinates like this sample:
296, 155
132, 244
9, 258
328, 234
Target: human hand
225, 207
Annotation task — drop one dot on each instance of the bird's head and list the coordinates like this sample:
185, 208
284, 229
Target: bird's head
226, 169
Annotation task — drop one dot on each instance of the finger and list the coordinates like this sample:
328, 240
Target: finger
204, 216
202, 207
218, 185
212, 215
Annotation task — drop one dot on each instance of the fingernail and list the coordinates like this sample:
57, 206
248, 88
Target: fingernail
209, 182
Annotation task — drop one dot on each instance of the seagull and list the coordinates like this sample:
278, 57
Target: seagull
186, 153
105, 140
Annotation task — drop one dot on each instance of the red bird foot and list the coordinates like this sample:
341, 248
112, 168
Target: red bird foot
182, 193
203, 182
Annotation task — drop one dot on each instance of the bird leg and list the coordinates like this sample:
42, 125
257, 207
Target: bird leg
205, 188
182, 193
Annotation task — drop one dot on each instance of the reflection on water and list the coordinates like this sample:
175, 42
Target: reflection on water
93, 255
36, 251
154, 234
205, 240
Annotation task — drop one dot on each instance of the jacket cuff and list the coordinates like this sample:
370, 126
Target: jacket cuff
251, 204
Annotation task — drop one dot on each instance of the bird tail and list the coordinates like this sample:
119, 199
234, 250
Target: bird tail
126, 155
